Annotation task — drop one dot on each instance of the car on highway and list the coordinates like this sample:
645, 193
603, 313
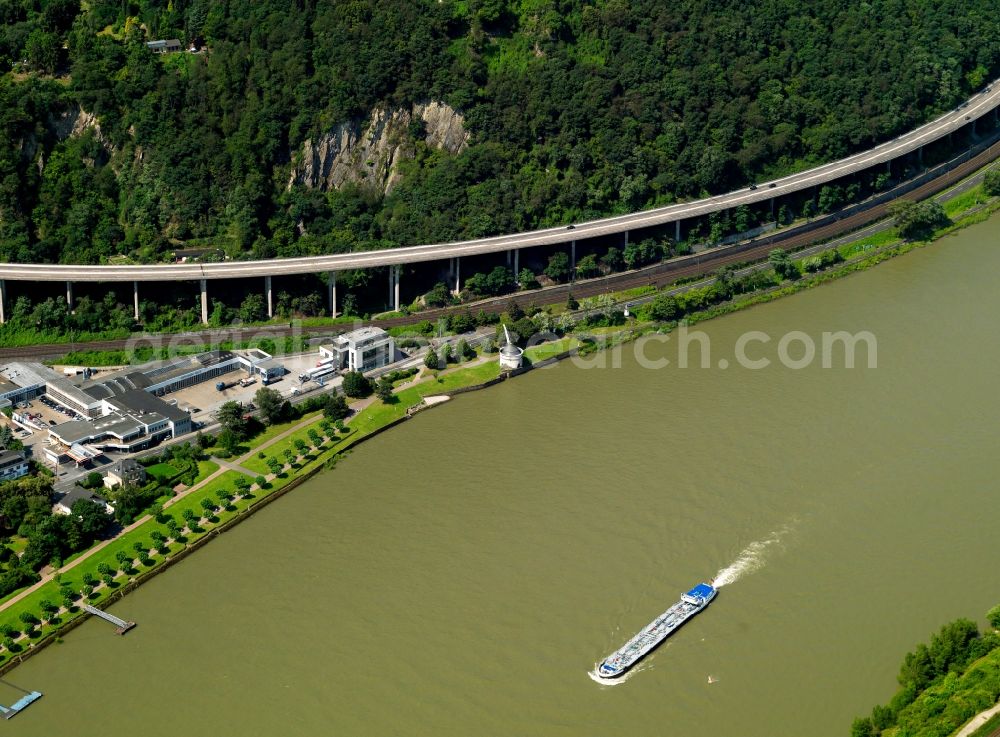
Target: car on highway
753, 186
570, 227
772, 185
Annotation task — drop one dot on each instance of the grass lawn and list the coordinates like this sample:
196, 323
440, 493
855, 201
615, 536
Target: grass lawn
547, 350
259, 465
965, 201
275, 430
205, 469
162, 471
878, 240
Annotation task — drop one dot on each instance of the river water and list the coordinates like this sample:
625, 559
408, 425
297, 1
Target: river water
462, 574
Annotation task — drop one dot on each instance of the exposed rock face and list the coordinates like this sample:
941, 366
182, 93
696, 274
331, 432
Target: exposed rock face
75, 122
369, 154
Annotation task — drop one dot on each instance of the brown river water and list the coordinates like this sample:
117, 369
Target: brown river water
463, 573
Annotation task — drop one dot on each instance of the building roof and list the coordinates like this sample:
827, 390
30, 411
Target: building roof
213, 357
125, 465
11, 458
145, 404
365, 333
80, 431
31, 374
26, 374
76, 494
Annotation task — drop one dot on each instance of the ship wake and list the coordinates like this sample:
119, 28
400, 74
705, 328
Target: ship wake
596, 678
752, 557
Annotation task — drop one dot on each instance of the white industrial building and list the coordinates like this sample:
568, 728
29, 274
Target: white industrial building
360, 350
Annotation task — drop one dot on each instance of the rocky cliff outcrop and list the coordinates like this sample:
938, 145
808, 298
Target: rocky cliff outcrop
75, 122
368, 152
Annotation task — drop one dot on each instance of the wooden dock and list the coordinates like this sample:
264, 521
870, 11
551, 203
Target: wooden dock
121, 625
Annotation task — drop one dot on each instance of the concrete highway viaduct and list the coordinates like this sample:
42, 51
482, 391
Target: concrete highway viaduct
982, 104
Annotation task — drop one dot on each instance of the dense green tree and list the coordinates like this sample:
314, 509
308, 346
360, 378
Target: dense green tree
526, 279
918, 220
993, 617
612, 260
42, 50
383, 390
586, 267
252, 308
663, 308
431, 359
230, 417
498, 282
782, 264
438, 296
270, 404
991, 182
356, 385
558, 267
336, 408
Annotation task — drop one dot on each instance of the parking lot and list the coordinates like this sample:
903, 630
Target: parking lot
47, 411
202, 400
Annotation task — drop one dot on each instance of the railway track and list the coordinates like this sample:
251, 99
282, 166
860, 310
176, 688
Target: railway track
657, 276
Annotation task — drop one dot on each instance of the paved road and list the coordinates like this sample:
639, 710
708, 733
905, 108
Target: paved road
979, 105
978, 721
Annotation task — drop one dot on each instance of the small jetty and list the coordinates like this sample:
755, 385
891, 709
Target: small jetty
121, 624
30, 697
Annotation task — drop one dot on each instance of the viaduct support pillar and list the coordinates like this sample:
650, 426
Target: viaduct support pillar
920, 156
626, 237
331, 283
677, 232
458, 274
394, 286
135, 300
204, 301
269, 295
69, 295
3, 301
572, 256
517, 256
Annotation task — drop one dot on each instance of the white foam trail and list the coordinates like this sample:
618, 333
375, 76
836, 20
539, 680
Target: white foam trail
751, 558
620, 679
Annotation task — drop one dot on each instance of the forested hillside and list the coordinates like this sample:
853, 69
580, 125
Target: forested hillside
573, 108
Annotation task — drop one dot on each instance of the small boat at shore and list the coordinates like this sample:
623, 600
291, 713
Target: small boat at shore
657, 631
